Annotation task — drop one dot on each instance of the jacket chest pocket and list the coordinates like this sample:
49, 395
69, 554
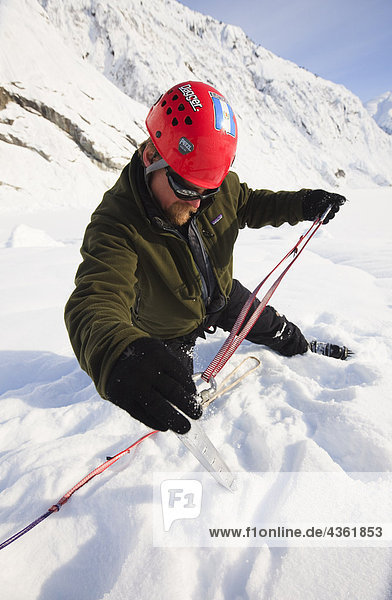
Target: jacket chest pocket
168, 268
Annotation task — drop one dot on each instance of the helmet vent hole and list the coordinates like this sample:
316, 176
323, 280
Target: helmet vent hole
175, 97
163, 103
174, 122
188, 120
158, 134
181, 107
169, 111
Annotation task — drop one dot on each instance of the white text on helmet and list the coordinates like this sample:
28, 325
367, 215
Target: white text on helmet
191, 97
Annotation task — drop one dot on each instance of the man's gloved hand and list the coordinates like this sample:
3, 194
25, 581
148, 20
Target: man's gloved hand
148, 382
317, 201
289, 340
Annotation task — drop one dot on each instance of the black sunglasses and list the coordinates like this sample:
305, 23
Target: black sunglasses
179, 187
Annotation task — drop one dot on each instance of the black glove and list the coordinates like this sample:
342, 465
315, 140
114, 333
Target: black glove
147, 381
317, 201
289, 340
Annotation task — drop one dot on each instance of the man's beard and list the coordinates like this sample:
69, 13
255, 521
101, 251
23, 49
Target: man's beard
179, 213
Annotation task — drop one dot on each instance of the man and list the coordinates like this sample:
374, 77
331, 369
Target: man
157, 259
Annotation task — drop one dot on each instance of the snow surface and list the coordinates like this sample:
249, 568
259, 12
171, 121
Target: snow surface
305, 413
65, 131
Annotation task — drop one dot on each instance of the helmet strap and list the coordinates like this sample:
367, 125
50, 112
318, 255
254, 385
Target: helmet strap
155, 166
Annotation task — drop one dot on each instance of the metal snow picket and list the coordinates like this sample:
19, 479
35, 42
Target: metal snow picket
208, 456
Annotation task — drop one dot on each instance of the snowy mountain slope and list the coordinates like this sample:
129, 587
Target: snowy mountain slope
305, 414
62, 121
319, 130
65, 130
381, 110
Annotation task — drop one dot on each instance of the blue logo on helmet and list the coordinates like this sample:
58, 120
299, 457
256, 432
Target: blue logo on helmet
223, 115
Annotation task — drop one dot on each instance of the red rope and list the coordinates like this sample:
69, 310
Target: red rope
240, 331
56, 507
95, 472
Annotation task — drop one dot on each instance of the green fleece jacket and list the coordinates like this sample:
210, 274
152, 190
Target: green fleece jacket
138, 278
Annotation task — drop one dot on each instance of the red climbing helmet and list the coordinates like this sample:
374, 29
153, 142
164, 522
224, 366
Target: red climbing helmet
195, 131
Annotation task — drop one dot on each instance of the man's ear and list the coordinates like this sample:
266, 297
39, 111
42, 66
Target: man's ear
148, 154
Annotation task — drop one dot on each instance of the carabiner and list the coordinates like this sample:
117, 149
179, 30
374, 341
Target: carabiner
206, 393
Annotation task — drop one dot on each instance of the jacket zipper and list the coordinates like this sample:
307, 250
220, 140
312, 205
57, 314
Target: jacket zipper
167, 229
193, 224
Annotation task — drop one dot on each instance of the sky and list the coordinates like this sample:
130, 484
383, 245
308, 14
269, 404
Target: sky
345, 41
